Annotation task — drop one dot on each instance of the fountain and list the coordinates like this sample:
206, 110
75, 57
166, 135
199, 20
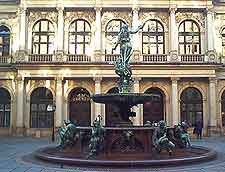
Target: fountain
124, 145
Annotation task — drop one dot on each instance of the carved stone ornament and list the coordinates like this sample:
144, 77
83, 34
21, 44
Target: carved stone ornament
173, 56
20, 56
163, 17
34, 16
211, 55
200, 17
86, 15
107, 16
59, 56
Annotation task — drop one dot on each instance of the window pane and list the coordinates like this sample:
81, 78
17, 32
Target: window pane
72, 49
188, 38
79, 49
152, 49
80, 38
181, 38
80, 26
181, 28
36, 38
160, 49
145, 48
181, 49
152, 38
145, 38
160, 39
188, 26
87, 39
43, 48
44, 26
43, 38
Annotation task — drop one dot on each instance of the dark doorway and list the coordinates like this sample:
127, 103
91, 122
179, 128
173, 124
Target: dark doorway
40, 117
191, 106
80, 106
111, 111
223, 108
154, 110
5, 108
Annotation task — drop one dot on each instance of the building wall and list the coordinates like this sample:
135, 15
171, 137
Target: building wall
22, 72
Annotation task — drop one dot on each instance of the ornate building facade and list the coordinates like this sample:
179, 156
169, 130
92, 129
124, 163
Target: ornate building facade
60, 52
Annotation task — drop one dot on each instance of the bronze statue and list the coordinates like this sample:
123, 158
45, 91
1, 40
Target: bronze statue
122, 64
181, 135
97, 138
160, 138
68, 134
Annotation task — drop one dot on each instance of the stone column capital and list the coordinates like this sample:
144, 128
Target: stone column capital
98, 9
175, 79
97, 79
59, 79
173, 9
137, 80
212, 79
136, 9
60, 8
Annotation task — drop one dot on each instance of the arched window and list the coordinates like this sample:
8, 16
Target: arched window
40, 116
189, 38
79, 37
154, 109
80, 106
5, 108
153, 40
191, 106
43, 37
112, 29
4, 40
223, 108
111, 111
223, 42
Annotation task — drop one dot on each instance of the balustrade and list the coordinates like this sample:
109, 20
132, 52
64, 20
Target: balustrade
5, 59
40, 58
78, 58
154, 57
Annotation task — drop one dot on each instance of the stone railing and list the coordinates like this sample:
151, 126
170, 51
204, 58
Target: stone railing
192, 58
40, 58
78, 58
111, 57
154, 58
5, 59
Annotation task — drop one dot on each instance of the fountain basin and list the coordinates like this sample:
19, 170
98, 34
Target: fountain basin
120, 151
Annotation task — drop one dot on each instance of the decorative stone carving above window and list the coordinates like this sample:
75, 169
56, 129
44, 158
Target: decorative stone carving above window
199, 17
34, 16
162, 17
87, 15
107, 16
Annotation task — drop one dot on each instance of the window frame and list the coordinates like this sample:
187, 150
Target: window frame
5, 34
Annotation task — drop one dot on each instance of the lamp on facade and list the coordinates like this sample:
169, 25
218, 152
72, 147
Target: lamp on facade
52, 108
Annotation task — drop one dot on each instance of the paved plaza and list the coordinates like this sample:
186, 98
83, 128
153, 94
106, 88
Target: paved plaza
15, 156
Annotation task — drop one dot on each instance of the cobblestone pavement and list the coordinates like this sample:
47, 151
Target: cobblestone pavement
13, 151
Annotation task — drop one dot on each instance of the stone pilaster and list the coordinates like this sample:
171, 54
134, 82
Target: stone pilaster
98, 35
137, 109
212, 125
174, 100
211, 52
136, 37
97, 106
21, 53
173, 35
59, 102
60, 34
20, 105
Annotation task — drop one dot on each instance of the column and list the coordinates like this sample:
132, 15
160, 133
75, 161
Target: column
23, 28
136, 37
210, 35
173, 35
98, 35
21, 53
212, 102
97, 106
20, 105
59, 102
137, 109
60, 34
174, 101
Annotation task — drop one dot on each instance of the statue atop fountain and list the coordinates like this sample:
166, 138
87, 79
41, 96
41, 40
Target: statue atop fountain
122, 64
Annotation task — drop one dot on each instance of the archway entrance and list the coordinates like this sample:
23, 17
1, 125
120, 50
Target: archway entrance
191, 106
111, 111
5, 108
40, 117
154, 110
80, 106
